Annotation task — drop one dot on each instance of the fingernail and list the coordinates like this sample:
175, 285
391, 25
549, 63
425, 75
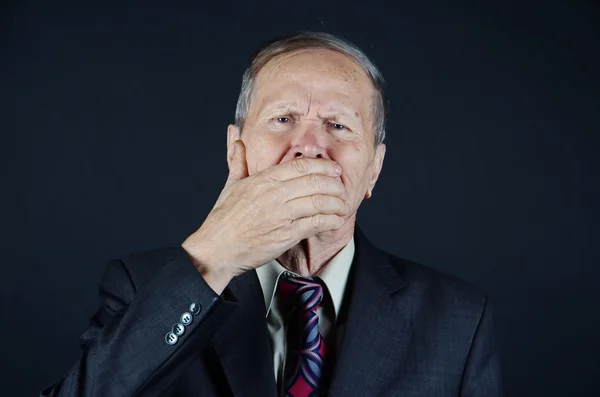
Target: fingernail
338, 169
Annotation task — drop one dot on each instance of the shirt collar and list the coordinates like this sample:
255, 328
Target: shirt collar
334, 274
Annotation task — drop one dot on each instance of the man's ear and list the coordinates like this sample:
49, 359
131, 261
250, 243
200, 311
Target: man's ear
377, 166
233, 134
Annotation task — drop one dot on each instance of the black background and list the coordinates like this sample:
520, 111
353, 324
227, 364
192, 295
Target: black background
114, 133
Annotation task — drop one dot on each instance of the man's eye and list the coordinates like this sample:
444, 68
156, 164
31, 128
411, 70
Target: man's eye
338, 126
283, 119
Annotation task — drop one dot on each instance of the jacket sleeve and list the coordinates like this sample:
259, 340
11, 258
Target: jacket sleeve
482, 375
125, 350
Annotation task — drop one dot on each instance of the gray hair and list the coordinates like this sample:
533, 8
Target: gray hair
312, 40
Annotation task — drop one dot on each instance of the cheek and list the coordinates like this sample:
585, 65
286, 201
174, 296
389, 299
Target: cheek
262, 154
352, 158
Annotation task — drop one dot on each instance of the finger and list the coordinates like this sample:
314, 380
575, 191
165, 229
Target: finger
304, 166
309, 226
312, 184
238, 169
317, 204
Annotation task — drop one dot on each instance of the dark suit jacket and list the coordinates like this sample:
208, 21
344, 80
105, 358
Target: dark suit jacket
408, 331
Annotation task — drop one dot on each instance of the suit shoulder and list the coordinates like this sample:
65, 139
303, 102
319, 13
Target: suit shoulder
439, 286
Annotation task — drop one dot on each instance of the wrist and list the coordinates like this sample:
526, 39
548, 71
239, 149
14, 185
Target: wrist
215, 273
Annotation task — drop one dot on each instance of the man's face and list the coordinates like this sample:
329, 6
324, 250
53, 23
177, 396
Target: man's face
313, 103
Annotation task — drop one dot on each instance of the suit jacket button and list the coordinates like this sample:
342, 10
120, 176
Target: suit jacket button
186, 318
171, 338
178, 329
195, 308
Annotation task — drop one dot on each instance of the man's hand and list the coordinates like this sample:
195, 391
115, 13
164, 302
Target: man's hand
257, 218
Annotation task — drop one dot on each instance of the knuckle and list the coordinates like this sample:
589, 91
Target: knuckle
315, 181
317, 221
269, 176
317, 201
288, 211
278, 192
268, 183
299, 165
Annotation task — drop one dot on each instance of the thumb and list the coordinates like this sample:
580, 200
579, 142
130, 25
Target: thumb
238, 168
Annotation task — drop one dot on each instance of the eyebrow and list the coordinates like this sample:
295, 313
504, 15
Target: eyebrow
332, 112
279, 105
336, 112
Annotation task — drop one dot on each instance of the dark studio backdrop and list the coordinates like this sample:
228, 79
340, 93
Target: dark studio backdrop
114, 121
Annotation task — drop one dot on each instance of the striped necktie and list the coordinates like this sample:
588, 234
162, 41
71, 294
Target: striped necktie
307, 351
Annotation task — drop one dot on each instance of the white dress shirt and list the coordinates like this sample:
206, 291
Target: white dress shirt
335, 277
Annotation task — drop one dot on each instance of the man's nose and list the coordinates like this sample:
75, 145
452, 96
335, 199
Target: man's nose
306, 145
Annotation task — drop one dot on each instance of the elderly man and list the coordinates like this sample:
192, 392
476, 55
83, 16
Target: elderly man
278, 293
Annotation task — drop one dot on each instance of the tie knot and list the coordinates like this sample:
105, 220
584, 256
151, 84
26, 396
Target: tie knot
304, 293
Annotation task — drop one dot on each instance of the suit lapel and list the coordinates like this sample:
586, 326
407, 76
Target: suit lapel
376, 333
243, 344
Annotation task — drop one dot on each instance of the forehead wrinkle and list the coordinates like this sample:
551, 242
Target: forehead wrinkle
342, 69
341, 109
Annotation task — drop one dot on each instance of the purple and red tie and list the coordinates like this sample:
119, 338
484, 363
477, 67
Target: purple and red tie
306, 357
